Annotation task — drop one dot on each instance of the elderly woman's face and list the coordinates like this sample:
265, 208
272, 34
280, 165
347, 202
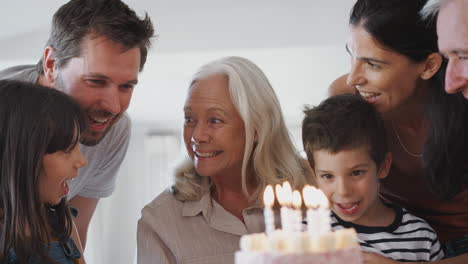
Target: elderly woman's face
214, 132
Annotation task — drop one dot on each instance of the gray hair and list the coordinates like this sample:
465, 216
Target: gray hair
273, 157
431, 9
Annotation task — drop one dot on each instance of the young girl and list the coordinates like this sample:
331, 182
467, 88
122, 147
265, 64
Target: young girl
39, 152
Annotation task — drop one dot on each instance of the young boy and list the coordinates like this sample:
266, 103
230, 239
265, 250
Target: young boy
344, 139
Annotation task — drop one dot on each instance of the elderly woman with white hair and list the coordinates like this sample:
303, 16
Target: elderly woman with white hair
237, 142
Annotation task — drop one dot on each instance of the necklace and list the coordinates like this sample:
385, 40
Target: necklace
401, 143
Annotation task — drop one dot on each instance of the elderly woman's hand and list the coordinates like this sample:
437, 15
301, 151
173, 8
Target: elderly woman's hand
373, 258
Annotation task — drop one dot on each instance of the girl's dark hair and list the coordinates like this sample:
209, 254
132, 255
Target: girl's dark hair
397, 25
35, 121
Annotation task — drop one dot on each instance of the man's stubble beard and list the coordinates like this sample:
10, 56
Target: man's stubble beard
88, 137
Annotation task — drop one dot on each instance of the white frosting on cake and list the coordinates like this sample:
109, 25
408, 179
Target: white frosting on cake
300, 247
288, 242
347, 256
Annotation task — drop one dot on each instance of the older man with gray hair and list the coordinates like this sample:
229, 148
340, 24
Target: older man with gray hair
452, 30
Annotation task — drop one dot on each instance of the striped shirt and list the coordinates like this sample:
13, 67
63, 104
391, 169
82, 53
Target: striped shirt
407, 239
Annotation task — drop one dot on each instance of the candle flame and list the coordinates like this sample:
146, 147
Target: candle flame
322, 199
268, 197
311, 198
307, 195
279, 194
287, 193
316, 198
297, 200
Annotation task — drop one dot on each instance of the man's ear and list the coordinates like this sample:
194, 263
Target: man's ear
431, 65
48, 66
385, 166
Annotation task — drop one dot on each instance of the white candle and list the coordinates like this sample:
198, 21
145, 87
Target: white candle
324, 213
283, 209
309, 193
269, 200
287, 198
297, 212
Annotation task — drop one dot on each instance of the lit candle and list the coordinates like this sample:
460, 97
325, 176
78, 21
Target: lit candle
287, 198
269, 200
287, 191
309, 193
297, 212
324, 213
283, 209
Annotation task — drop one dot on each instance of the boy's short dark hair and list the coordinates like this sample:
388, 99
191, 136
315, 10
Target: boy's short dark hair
344, 122
111, 19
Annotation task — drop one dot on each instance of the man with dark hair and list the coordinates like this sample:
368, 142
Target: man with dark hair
94, 53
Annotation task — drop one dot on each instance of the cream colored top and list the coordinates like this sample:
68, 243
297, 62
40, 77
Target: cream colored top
172, 231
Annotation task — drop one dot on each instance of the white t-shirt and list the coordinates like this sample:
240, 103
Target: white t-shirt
97, 179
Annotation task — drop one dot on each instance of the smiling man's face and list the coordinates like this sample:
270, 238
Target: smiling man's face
102, 81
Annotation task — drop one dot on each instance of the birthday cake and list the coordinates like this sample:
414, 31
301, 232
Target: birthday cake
316, 243
301, 248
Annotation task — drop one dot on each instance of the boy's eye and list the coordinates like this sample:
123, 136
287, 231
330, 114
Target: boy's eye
326, 176
357, 172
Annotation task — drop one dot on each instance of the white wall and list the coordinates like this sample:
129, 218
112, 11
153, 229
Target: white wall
298, 75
